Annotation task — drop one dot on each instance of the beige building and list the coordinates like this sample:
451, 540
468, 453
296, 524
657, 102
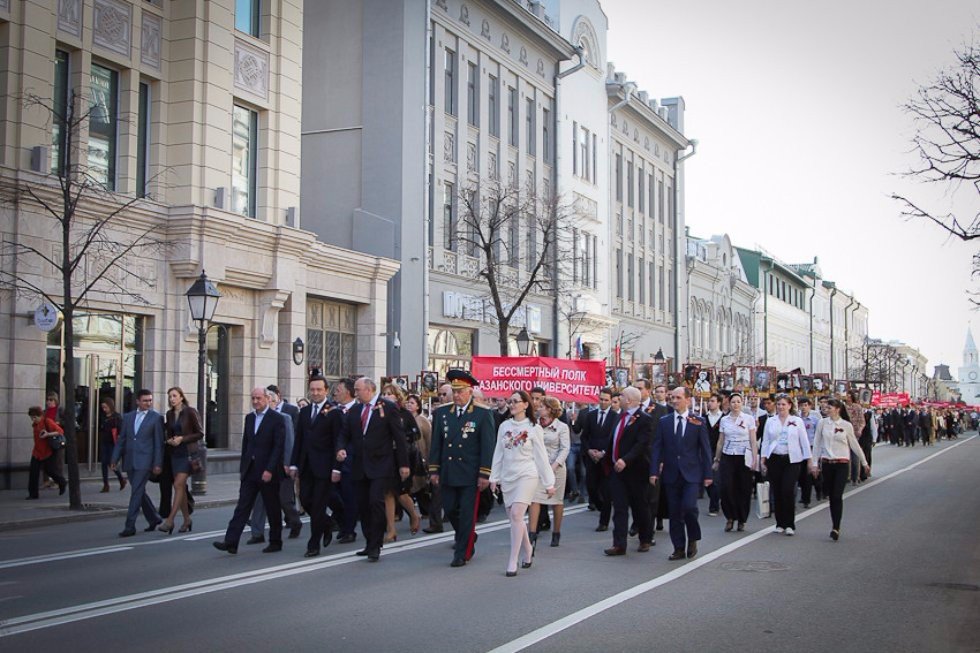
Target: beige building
195, 119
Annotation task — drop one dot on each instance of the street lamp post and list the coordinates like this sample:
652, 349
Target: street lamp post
202, 299
523, 342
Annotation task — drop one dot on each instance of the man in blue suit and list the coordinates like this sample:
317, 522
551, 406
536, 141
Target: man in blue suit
681, 461
140, 447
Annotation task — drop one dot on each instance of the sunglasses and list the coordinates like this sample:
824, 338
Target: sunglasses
511, 402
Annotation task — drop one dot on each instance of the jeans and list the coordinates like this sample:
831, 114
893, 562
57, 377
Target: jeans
571, 465
105, 455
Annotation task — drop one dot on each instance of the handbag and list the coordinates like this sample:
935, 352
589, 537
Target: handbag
194, 457
56, 442
762, 509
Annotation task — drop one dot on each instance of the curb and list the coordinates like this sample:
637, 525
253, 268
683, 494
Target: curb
83, 515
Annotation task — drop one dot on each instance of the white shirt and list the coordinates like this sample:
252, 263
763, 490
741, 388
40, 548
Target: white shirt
520, 453
619, 431
683, 420
836, 441
735, 430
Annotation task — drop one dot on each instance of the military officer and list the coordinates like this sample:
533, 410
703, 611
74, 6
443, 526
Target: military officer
463, 439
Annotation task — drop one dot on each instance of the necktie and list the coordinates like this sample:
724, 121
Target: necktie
459, 413
602, 417
315, 414
679, 432
365, 412
619, 434
139, 420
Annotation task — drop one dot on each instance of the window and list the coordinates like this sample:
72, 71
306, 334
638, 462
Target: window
471, 218
512, 116
629, 184
449, 349
660, 289
450, 89
449, 217
103, 120
473, 95
431, 207
575, 257
514, 240
532, 241
670, 205
595, 261
619, 177
653, 278
493, 106
660, 201
641, 296
584, 154
529, 127
574, 148
652, 180
629, 271
673, 292
331, 338
244, 150
594, 158
640, 188
143, 140
546, 134
247, 16
59, 132
619, 273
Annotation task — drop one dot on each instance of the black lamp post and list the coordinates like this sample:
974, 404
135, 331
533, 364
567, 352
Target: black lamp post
202, 298
659, 356
523, 342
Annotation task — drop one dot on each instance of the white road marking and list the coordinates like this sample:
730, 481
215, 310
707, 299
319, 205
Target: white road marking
22, 562
579, 616
41, 620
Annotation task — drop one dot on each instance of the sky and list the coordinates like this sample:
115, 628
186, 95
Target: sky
797, 110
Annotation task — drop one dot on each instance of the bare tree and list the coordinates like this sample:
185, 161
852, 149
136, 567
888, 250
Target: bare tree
511, 237
946, 114
93, 255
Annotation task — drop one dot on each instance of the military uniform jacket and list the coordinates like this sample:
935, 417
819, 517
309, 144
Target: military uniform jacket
462, 448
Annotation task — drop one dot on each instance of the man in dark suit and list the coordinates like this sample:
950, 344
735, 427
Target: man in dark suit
628, 450
314, 459
140, 446
373, 433
263, 440
681, 460
463, 440
287, 492
596, 427
656, 406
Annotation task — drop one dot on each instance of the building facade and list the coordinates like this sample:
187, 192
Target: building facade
720, 304
968, 375
209, 170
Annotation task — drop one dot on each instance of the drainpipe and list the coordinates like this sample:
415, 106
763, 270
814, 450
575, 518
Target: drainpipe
628, 88
679, 157
832, 293
765, 312
426, 183
813, 293
847, 330
579, 51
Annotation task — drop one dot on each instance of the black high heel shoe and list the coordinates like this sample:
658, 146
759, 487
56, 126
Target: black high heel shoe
526, 565
187, 527
164, 528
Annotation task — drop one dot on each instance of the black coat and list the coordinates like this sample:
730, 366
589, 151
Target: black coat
380, 451
315, 448
594, 436
262, 451
634, 445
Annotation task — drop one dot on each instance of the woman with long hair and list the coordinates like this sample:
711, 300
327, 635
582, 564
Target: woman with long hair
403, 489
557, 443
183, 431
110, 426
520, 466
420, 475
832, 448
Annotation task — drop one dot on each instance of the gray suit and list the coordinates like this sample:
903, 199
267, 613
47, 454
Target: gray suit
140, 451
287, 491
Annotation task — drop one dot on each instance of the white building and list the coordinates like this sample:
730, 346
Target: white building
969, 372
720, 304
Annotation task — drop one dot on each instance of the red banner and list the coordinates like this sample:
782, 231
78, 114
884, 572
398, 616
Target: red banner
890, 399
566, 380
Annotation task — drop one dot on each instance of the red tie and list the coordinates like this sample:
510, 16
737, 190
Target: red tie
619, 433
365, 412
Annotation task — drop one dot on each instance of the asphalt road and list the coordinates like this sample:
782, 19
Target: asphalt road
904, 577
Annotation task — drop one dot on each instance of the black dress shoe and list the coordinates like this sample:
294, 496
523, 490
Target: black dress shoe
469, 556
224, 546
362, 552
678, 554
692, 549
510, 574
256, 539
591, 507
374, 556
311, 553
152, 527
633, 530
457, 562
602, 528
274, 547
327, 538
615, 551
427, 529
129, 532
660, 524
295, 531
347, 539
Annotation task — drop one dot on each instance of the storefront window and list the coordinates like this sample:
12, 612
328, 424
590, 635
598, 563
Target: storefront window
331, 338
449, 349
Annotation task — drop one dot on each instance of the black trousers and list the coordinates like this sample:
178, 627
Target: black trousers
736, 487
461, 504
435, 507
50, 467
806, 484
247, 493
315, 495
105, 455
783, 475
834, 482
630, 495
371, 505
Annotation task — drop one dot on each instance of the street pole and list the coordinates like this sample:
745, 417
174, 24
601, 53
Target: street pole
199, 481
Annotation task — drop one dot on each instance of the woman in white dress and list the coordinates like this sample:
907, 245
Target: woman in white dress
520, 464
557, 441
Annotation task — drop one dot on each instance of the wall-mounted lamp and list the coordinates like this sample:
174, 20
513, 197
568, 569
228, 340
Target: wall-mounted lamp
299, 349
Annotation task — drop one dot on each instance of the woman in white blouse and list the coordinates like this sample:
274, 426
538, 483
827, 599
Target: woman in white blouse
520, 464
557, 441
832, 447
735, 460
784, 446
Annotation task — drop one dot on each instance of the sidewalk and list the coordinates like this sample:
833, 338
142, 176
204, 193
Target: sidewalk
17, 513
